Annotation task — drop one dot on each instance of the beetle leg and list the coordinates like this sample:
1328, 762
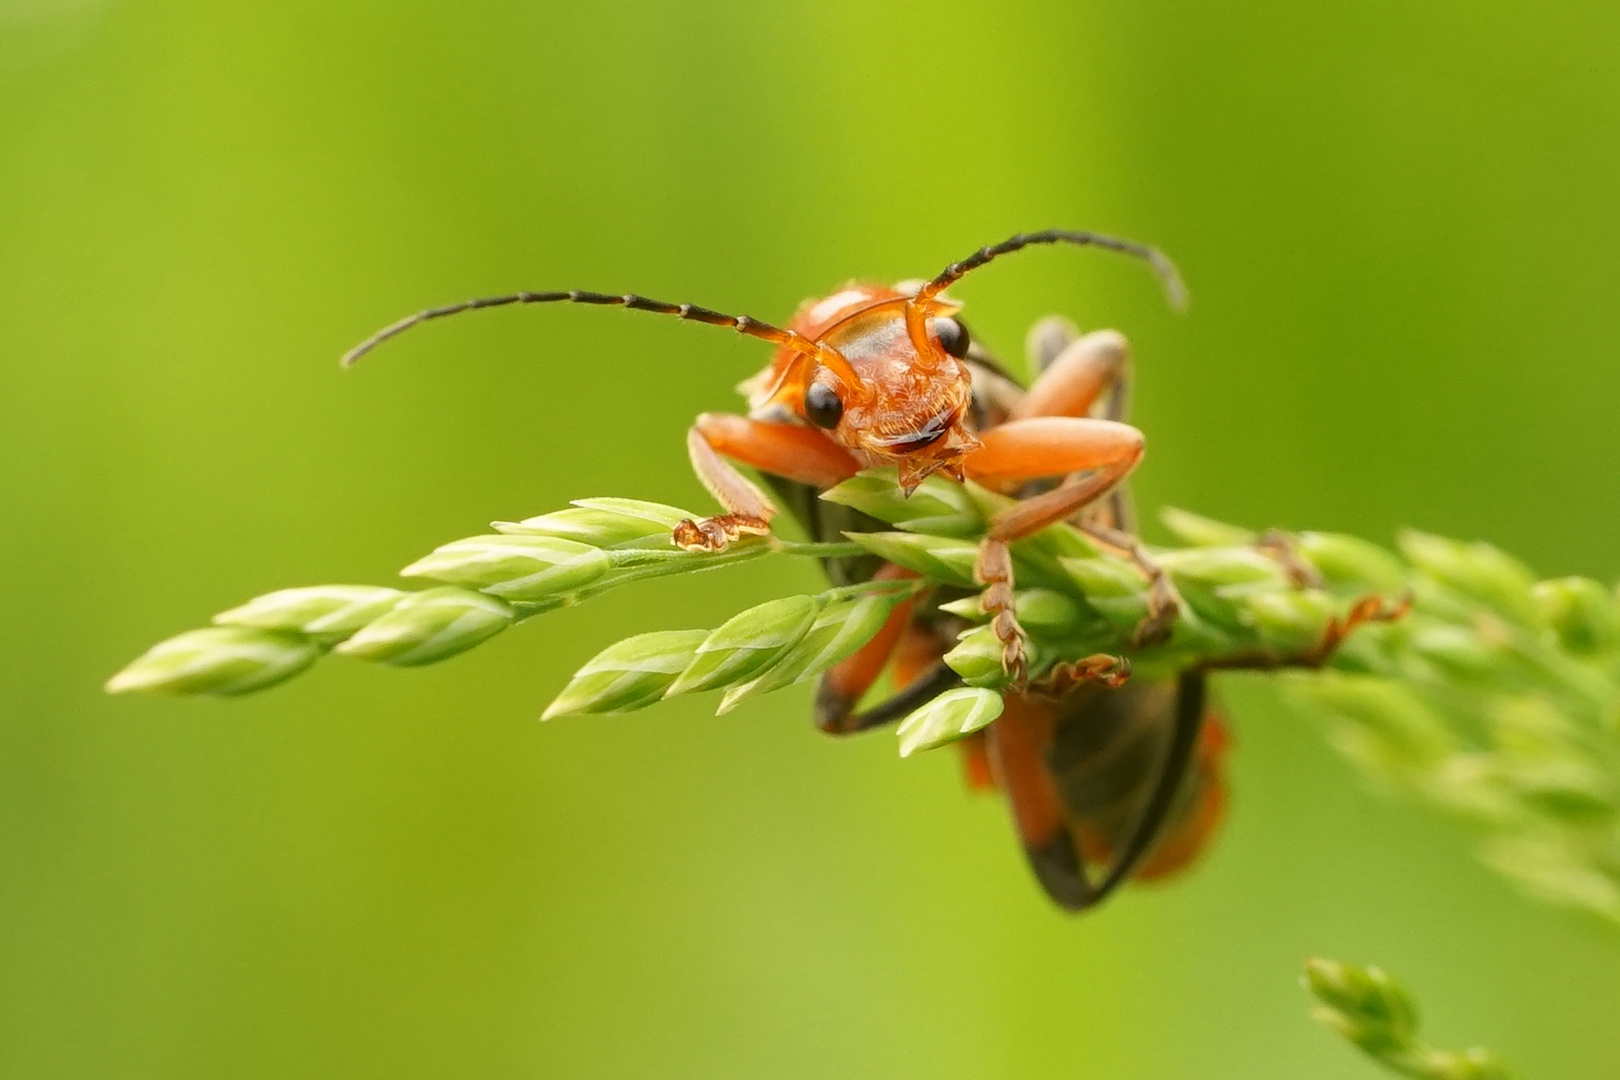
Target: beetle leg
1078, 376
994, 571
1282, 549
1110, 671
935, 681
1046, 340
843, 684
798, 453
917, 670
1095, 455
1090, 374
977, 772
1369, 609
1164, 602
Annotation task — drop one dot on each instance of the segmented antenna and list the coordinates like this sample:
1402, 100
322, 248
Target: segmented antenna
1169, 276
743, 324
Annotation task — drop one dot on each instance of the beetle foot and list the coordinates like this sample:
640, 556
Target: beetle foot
1014, 653
1369, 609
1164, 607
716, 533
1110, 671
994, 569
1284, 550
1164, 602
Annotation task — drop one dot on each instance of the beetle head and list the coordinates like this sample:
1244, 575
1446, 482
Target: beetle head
899, 398
880, 369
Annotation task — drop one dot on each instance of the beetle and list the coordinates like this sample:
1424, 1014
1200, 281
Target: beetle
876, 375
1106, 779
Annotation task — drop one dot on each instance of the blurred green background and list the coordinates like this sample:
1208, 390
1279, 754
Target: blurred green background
1400, 227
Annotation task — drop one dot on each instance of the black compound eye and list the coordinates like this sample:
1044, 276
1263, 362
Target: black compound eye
822, 406
953, 336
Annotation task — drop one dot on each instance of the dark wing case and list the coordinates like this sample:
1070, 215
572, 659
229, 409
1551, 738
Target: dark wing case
1120, 763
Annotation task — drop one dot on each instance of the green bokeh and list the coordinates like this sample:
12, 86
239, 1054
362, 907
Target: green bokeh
1400, 226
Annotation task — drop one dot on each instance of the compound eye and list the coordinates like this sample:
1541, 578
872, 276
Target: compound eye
953, 336
822, 406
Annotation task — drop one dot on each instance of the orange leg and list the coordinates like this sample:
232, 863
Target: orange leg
1046, 340
798, 453
1077, 376
918, 672
845, 682
1095, 455
1088, 376
1164, 602
977, 772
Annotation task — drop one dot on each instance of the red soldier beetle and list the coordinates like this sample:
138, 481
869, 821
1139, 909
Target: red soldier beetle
877, 376
1098, 773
